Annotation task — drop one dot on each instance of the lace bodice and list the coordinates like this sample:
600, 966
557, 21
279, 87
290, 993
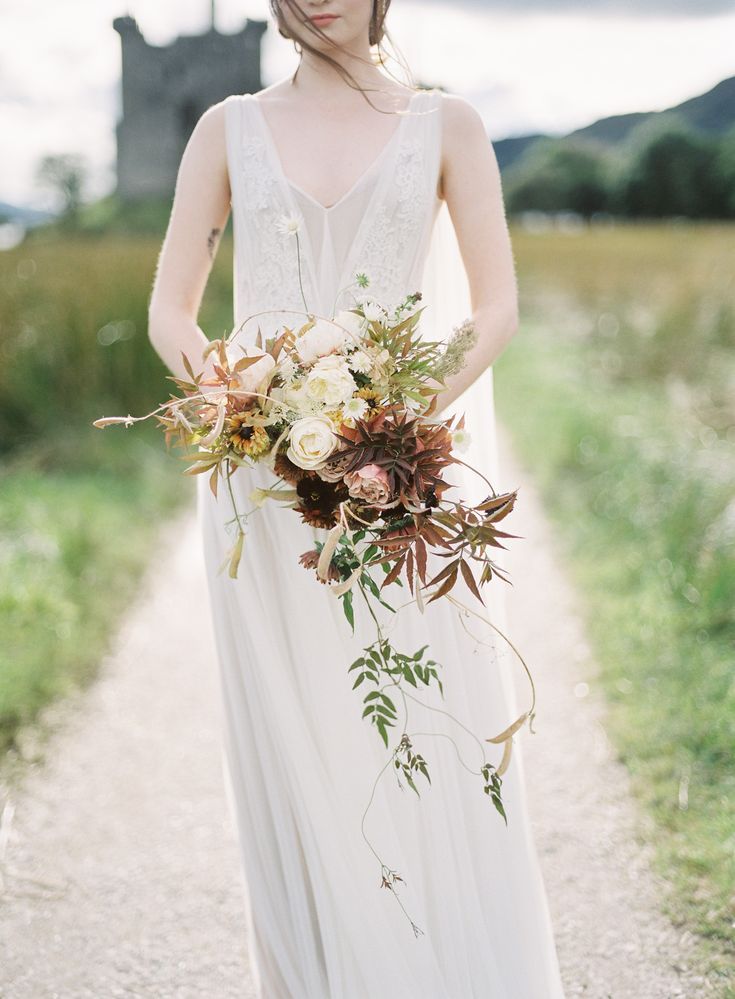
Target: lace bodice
381, 226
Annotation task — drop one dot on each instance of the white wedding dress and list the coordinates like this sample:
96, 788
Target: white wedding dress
299, 761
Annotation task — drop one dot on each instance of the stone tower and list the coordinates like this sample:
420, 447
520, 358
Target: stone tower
165, 89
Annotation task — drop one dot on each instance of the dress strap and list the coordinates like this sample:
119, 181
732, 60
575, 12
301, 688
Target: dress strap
427, 128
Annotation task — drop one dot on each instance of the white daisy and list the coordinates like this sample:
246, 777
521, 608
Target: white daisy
355, 407
461, 439
360, 361
373, 312
289, 225
287, 368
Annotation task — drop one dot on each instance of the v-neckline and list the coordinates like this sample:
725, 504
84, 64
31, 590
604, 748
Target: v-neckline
326, 209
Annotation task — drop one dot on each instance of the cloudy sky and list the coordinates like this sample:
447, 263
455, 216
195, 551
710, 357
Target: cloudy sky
527, 65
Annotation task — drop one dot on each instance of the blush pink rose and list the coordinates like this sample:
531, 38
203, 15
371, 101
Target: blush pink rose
369, 484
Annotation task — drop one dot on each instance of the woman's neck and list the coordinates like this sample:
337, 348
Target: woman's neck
317, 79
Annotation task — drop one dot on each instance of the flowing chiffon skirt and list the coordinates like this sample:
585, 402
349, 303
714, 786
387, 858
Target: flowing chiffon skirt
302, 766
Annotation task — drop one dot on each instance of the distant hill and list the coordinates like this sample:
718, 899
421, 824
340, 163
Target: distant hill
511, 150
24, 216
712, 112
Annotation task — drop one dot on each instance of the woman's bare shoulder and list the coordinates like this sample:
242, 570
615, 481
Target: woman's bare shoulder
461, 119
207, 144
464, 136
210, 128
212, 121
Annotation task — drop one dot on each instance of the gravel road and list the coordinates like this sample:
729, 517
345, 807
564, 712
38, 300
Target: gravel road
119, 872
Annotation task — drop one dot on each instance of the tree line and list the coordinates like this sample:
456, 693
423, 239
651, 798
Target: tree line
663, 169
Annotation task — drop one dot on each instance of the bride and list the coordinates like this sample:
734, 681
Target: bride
402, 185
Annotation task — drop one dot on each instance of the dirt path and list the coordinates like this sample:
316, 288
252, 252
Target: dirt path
119, 873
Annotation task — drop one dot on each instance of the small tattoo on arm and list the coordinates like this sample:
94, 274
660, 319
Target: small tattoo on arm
212, 241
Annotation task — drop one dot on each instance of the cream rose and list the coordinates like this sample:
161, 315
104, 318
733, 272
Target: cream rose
330, 381
311, 441
352, 322
322, 338
293, 396
249, 379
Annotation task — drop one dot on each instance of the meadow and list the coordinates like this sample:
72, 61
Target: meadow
79, 507
619, 392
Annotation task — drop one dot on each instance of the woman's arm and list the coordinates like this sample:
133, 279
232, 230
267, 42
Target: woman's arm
471, 187
199, 213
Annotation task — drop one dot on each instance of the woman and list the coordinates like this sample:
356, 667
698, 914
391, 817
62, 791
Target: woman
364, 164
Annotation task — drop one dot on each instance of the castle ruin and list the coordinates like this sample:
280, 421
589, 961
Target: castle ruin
165, 90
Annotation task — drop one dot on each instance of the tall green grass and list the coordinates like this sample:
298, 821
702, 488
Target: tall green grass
73, 331
75, 536
79, 506
618, 393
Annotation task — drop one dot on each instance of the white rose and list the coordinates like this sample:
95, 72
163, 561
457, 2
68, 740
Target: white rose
330, 381
293, 396
311, 441
249, 379
321, 339
352, 322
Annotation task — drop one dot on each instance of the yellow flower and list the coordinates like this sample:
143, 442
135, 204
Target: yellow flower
253, 441
368, 393
372, 396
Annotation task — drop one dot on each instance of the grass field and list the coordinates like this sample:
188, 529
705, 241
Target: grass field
618, 392
74, 342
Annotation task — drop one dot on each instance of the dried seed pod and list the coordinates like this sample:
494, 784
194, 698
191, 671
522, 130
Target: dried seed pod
511, 730
328, 550
507, 749
340, 588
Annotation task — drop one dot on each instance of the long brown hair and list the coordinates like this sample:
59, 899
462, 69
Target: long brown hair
377, 33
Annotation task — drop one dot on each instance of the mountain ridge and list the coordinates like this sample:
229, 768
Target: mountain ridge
711, 113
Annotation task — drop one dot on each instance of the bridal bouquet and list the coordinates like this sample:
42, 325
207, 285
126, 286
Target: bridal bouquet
341, 410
